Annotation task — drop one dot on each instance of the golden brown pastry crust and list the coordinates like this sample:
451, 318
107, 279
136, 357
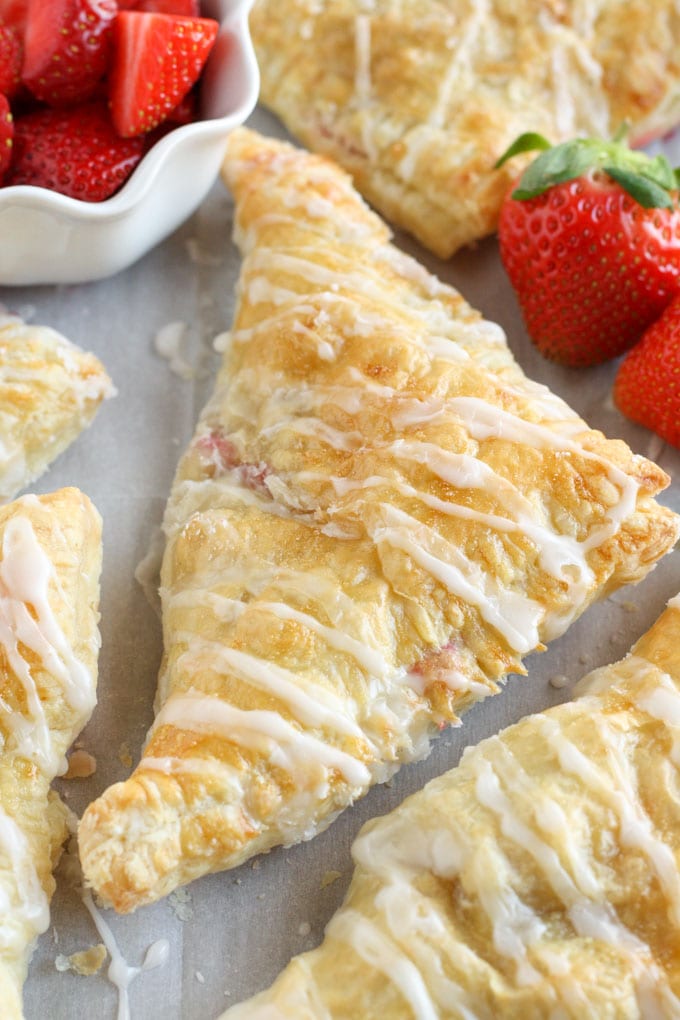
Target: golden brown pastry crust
419, 98
50, 560
378, 516
539, 878
50, 391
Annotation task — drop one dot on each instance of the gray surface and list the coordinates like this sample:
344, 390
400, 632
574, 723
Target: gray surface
247, 923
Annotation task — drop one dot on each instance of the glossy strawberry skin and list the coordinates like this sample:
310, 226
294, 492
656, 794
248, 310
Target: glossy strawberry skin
157, 58
74, 151
647, 384
6, 136
67, 48
186, 8
11, 55
590, 266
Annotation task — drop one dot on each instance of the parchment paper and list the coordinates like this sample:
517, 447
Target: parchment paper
230, 934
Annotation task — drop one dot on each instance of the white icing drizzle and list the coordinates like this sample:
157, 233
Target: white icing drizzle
362, 79
25, 576
311, 705
267, 732
120, 973
512, 614
636, 828
23, 901
381, 952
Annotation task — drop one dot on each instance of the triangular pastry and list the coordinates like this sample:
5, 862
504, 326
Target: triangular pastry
540, 878
417, 99
50, 560
378, 516
50, 390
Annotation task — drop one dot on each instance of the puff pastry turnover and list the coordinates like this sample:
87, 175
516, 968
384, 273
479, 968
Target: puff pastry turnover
50, 391
50, 559
378, 516
419, 98
540, 878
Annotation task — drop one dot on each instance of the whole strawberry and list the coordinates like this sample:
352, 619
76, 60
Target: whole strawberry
590, 239
74, 151
647, 385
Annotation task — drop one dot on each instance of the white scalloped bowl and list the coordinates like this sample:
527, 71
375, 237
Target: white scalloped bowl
46, 237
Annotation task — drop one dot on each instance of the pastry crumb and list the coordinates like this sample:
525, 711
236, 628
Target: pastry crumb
629, 607
86, 962
330, 877
260, 896
304, 928
255, 865
124, 756
180, 904
81, 765
199, 977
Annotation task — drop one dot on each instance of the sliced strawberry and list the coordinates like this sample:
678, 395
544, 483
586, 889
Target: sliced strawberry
6, 136
185, 8
74, 151
157, 58
15, 13
11, 53
67, 48
647, 385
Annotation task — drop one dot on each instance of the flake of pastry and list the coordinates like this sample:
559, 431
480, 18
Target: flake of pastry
417, 99
541, 877
329, 877
50, 391
86, 962
50, 558
124, 756
378, 516
81, 765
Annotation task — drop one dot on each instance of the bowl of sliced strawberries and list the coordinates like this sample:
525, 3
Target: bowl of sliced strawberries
113, 120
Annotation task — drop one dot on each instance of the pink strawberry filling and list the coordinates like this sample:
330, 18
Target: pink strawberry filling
219, 456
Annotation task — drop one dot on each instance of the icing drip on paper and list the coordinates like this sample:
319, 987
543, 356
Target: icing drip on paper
120, 973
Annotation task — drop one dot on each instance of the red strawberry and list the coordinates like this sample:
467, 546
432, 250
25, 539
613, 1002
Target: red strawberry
591, 242
10, 59
14, 12
75, 151
67, 48
185, 8
6, 136
157, 58
647, 384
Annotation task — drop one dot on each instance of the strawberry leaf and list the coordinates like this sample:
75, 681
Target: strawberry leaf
554, 166
530, 141
646, 192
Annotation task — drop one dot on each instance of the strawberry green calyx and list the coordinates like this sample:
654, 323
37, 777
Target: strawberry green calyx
650, 180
